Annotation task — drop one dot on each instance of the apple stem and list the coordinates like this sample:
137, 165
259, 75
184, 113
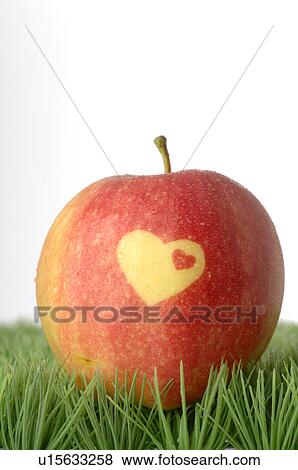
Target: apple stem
161, 144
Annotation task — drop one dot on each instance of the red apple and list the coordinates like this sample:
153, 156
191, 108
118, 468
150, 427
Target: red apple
175, 261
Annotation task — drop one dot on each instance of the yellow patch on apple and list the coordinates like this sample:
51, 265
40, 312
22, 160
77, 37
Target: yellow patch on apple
158, 270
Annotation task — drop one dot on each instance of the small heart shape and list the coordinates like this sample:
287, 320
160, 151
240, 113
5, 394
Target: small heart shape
183, 261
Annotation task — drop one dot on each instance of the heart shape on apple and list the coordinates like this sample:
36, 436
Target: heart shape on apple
181, 260
158, 270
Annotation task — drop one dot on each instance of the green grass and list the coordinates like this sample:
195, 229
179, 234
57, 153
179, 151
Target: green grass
41, 407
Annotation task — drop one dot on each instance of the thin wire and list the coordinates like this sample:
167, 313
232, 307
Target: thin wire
228, 97
71, 99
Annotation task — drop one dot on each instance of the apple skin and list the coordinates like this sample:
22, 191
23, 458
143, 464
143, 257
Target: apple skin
243, 267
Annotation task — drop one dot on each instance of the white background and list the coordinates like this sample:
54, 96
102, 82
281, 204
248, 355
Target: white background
236, 458
137, 69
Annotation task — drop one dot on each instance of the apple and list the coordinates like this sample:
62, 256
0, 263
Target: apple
152, 270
